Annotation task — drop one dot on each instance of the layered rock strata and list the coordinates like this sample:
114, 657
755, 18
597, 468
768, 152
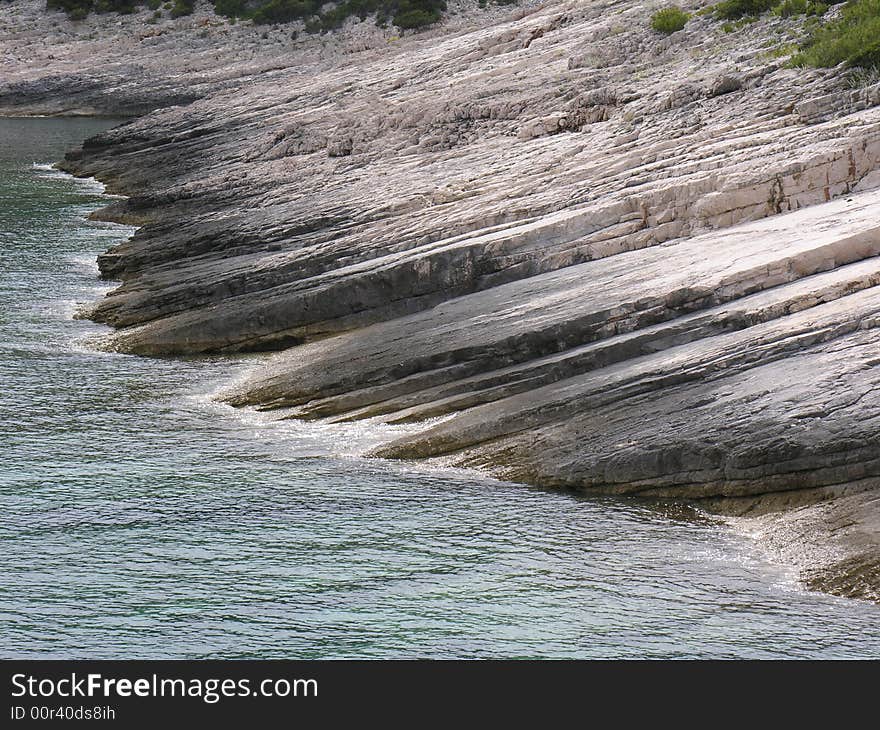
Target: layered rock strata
608, 260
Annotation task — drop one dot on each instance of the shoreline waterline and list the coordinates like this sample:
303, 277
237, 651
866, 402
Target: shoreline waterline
137, 514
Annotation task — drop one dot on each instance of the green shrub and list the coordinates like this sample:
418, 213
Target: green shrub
114, 6
182, 7
416, 18
335, 17
405, 14
283, 11
790, 8
80, 9
852, 38
669, 20
735, 9
75, 9
731, 26
230, 8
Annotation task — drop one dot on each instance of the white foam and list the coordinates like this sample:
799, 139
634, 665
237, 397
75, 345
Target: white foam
311, 438
84, 263
769, 550
48, 171
62, 308
94, 344
294, 439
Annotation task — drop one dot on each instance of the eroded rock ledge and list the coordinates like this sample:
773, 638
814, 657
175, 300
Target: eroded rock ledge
610, 261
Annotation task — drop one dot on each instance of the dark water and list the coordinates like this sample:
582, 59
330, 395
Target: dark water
142, 520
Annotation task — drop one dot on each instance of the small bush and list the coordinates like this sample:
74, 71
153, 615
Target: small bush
852, 38
230, 8
731, 26
790, 8
736, 9
669, 20
859, 78
415, 18
75, 9
405, 14
417, 13
283, 11
124, 7
182, 7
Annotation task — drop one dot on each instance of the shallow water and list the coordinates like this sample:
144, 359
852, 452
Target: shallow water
142, 520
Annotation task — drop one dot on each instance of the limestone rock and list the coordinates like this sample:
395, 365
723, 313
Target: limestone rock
724, 84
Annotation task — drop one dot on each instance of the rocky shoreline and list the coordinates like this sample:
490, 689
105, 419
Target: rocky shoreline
606, 259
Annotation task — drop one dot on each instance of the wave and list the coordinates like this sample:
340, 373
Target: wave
87, 185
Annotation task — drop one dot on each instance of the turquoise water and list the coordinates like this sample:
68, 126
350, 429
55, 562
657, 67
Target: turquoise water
140, 519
